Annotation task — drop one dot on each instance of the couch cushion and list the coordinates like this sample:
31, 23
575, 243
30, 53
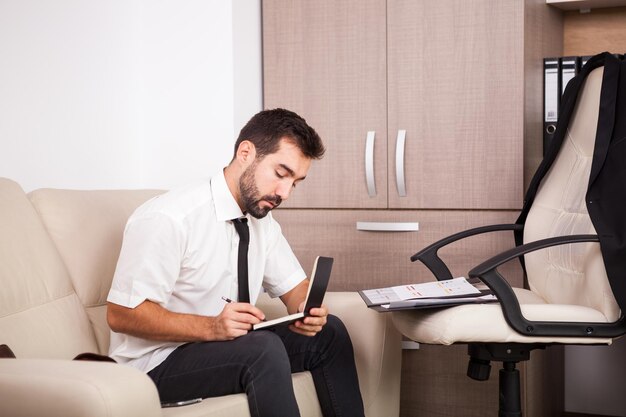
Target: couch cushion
237, 404
40, 314
87, 228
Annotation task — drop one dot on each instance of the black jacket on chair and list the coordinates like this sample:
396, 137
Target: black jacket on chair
605, 198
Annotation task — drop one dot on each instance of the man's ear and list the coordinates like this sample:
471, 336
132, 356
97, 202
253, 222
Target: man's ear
246, 152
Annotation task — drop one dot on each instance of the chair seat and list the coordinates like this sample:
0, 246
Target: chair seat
485, 323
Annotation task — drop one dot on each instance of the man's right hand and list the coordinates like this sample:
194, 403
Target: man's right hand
151, 321
235, 320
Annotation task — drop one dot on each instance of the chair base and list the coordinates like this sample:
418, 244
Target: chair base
479, 367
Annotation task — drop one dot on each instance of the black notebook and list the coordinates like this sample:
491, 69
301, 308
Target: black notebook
317, 289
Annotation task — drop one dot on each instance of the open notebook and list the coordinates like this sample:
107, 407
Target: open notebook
317, 288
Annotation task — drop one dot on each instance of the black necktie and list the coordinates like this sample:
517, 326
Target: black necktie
241, 225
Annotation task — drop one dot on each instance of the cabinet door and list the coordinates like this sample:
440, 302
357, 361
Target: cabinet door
456, 87
326, 60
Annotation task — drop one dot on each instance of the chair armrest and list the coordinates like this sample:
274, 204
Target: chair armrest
64, 388
488, 273
428, 256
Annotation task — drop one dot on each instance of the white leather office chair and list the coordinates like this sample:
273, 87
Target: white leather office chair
569, 297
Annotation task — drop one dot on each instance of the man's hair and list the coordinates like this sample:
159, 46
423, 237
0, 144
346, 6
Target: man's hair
268, 127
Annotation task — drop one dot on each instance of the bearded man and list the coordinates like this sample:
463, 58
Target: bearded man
180, 266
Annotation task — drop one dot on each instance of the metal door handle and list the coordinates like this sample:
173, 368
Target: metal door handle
369, 163
388, 226
400, 140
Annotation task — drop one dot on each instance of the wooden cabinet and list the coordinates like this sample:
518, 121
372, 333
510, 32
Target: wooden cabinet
434, 384
448, 94
438, 86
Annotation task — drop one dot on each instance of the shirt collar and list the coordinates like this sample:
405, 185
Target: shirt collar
226, 208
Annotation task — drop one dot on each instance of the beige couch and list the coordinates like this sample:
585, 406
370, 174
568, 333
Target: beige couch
58, 251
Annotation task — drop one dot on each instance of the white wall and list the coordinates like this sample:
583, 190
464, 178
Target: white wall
124, 93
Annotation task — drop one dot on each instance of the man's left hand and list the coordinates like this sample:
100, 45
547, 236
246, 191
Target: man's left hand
311, 324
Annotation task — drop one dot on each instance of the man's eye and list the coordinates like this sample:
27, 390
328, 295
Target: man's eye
278, 174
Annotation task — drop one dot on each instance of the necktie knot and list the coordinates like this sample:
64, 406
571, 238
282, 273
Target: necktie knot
241, 226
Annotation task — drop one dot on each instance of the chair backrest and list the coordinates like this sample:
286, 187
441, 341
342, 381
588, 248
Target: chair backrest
572, 273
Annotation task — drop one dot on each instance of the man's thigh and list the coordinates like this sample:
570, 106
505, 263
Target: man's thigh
212, 369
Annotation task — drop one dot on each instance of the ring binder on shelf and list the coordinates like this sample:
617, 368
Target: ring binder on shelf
569, 69
551, 98
557, 73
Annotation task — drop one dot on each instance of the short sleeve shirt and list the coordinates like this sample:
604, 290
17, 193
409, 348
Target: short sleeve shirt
180, 251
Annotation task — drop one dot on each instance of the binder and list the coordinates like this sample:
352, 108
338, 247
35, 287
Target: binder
551, 98
557, 73
569, 69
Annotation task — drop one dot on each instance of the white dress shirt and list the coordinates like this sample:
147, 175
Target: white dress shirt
180, 251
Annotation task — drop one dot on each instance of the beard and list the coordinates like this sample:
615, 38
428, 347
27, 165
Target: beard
250, 195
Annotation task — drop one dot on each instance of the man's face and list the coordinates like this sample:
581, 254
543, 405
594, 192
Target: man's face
269, 180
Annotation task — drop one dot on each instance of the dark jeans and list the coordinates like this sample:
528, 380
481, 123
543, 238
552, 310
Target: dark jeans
260, 364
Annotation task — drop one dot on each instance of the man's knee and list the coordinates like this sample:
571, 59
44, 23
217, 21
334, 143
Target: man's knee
266, 346
335, 327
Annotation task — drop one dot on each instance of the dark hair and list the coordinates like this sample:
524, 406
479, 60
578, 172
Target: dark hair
268, 127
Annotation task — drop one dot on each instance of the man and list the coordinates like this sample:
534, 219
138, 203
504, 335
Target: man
179, 262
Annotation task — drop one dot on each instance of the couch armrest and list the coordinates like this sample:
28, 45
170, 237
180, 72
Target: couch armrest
377, 348
63, 388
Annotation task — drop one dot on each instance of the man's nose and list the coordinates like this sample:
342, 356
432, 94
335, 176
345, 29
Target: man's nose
284, 189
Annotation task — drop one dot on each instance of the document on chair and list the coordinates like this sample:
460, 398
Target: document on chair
438, 302
438, 292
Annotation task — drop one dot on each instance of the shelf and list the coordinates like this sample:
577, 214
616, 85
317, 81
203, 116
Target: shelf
585, 4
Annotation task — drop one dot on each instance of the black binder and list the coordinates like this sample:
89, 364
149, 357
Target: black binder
551, 98
569, 69
583, 60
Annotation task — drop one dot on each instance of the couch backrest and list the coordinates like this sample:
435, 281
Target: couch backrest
41, 315
87, 229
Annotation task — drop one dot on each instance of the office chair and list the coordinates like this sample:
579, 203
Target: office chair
570, 239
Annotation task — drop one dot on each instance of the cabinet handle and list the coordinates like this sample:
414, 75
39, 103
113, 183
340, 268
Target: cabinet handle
369, 163
388, 226
400, 140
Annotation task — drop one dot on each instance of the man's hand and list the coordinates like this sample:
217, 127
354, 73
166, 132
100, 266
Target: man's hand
312, 324
294, 300
235, 320
151, 321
